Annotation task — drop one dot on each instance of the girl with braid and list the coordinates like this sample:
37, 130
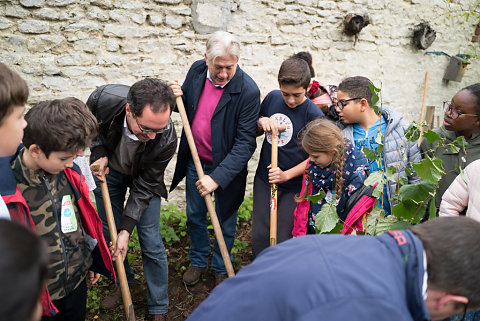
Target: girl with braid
335, 166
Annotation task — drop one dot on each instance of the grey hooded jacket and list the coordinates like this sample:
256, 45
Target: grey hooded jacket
394, 143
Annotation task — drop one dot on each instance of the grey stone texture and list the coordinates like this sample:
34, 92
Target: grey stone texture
66, 47
33, 26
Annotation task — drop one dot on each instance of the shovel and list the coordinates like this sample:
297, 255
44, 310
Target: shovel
127, 299
208, 198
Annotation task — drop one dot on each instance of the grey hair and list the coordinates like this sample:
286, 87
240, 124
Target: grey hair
222, 43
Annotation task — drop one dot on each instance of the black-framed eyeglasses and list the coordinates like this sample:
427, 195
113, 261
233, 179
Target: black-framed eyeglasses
464, 312
146, 130
342, 103
454, 114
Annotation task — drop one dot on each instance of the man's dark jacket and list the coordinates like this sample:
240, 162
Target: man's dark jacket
108, 103
234, 127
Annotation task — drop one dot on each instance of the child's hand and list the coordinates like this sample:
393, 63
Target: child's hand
177, 90
268, 125
276, 175
93, 277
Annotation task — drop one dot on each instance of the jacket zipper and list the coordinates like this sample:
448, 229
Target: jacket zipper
48, 189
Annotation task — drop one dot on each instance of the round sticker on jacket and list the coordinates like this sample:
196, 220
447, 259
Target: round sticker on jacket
284, 136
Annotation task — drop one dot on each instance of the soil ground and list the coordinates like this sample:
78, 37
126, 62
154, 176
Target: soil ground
183, 299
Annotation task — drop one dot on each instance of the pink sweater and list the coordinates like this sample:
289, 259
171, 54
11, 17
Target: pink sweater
201, 126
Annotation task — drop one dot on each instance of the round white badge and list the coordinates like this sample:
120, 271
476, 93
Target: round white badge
285, 135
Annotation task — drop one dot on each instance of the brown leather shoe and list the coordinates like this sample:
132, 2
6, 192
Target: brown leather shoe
219, 278
158, 317
113, 299
193, 274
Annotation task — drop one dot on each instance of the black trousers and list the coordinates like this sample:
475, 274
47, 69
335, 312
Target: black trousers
73, 307
261, 216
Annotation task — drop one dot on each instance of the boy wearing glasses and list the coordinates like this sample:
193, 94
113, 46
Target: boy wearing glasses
461, 118
137, 140
362, 125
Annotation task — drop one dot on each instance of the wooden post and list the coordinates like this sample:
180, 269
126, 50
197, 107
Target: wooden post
423, 107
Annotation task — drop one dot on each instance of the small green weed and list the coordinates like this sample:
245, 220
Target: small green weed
93, 300
173, 223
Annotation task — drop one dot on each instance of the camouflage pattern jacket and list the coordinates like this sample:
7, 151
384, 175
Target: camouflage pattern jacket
89, 244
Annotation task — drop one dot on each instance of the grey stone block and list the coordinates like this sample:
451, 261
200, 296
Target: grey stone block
55, 83
16, 11
33, 26
5, 23
210, 15
32, 3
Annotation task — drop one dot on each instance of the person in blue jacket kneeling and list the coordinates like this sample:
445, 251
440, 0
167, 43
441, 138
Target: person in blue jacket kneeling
414, 274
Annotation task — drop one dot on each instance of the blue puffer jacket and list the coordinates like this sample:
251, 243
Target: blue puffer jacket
394, 143
326, 277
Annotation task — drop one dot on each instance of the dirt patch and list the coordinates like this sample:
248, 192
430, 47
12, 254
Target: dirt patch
183, 299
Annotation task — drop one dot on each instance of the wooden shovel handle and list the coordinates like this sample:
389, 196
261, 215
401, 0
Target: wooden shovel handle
208, 198
112, 228
274, 189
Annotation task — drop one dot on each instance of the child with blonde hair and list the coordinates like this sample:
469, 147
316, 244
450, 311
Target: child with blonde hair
335, 166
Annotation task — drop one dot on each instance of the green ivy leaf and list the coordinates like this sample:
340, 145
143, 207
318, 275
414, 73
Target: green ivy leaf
454, 149
460, 141
430, 169
400, 225
378, 191
408, 171
405, 209
388, 223
418, 192
432, 136
369, 153
337, 229
390, 173
379, 149
317, 197
412, 133
375, 98
375, 177
372, 220
403, 180
326, 220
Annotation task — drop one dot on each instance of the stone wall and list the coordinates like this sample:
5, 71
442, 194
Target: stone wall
68, 48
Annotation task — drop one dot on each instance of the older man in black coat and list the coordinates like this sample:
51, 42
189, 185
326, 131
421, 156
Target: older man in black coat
222, 103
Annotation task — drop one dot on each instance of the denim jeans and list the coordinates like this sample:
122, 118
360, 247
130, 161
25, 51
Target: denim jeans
197, 225
154, 258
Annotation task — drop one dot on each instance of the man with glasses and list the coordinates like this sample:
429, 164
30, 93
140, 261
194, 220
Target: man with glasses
137, 140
